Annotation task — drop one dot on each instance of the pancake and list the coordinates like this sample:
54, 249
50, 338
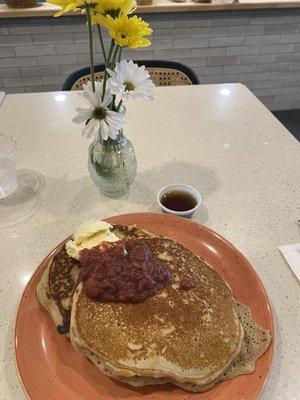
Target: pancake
187, 336
255, 343
59, 281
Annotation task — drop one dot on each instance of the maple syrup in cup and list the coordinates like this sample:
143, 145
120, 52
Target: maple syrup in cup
179, 199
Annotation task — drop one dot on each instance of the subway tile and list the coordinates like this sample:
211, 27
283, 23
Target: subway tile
295, 66
21, 81
208, 70
162, 24
18, 62
277, 48
193, 62
139, 54
272, 67
69, 28
284, 90
53, 38
279, 106
274, 83
40, 71
7, 52
81, 37
42, 88
85, 59
227, 21
13, 90
224, 60
296, 105
290, 19
4, 30
162, 44
263, 39
290, 38
226, 41
259, 92
259, 76
262, 20
211, 31
9, 72
189, 43
51, 80
191, 22
282, 28
285, 74
287, 57
247, 30
73, 48
28, 29
290, 97
15, 40
289, 82
172, 33
69, 69
270, 99
230, 78
231, 69
35, 50
172, 53
208, 52
57, 60
243, 50
258, 59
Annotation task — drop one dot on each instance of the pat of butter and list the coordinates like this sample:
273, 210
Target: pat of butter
88, 235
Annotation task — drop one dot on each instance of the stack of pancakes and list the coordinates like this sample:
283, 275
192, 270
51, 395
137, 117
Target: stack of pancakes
191, 338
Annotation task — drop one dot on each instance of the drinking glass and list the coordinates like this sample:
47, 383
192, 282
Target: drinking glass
8, 175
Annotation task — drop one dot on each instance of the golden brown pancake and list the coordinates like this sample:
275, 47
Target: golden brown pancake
255, 343
181, 335
59, 281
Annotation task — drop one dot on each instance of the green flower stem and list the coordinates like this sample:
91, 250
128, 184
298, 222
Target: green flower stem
112, 45
113, 65
89, 21
120, 54
102, 43
119, 105
114, 57
107, 65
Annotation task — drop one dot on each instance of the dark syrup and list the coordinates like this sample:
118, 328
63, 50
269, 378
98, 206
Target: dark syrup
178, 200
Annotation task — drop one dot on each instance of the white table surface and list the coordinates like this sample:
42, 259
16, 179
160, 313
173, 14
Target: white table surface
223, 142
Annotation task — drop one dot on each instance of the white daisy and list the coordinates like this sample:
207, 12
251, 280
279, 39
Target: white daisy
99, 119
131, 81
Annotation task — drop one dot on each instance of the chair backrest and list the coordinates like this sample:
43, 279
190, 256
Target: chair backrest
163, 73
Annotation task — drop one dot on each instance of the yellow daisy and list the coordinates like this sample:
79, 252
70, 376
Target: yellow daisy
70, 5
129, 31
114, 8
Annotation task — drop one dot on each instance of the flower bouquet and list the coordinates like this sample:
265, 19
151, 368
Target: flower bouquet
112, 163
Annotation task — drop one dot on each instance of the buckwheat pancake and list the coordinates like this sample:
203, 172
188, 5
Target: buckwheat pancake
185, 336
255, 343
59, 281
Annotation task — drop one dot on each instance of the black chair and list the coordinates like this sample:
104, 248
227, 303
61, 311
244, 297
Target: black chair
163, 73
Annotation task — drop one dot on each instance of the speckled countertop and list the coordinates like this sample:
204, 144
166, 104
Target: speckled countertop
218, 138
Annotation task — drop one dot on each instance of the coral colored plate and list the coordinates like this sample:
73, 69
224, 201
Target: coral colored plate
50, 369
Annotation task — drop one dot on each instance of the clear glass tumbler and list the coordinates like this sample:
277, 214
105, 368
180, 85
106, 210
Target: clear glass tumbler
8, 175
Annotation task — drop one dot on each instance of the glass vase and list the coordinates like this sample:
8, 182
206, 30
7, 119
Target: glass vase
112, 165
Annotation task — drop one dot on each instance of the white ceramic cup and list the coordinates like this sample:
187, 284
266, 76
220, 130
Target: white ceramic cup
182, 188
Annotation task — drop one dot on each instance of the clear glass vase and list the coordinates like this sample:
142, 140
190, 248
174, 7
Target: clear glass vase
112, 165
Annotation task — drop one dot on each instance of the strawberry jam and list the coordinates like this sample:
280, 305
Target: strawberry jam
123, 271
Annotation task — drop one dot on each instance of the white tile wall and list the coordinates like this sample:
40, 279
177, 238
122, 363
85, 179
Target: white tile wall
258, 48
